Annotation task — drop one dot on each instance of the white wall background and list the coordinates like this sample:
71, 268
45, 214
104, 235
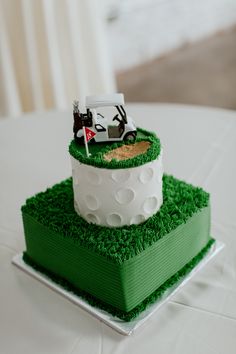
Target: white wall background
145, 29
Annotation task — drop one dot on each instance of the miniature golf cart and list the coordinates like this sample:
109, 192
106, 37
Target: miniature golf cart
123, 127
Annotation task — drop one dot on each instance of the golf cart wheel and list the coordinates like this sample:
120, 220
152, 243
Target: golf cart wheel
130, 136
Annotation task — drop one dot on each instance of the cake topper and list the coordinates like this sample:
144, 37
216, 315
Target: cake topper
94, 127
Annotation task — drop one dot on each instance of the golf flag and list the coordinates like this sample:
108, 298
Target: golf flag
88, 135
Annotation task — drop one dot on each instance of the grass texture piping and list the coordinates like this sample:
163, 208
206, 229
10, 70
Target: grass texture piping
98, 150
125, 316
54, 208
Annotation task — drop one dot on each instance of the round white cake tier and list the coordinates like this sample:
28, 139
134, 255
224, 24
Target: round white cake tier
117, 197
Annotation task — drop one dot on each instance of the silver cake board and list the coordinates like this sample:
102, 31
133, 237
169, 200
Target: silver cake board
122, 327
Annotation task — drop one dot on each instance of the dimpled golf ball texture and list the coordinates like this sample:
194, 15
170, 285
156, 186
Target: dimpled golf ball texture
117, 197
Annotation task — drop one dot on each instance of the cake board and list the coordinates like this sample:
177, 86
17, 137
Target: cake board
122, 327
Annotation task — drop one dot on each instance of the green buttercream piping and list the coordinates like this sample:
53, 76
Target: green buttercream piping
98, 150
121, 285
54, 208
126, 316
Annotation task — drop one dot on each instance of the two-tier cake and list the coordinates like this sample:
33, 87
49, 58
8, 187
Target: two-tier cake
119, 232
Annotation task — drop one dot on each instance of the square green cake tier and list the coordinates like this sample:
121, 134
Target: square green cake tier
118, 269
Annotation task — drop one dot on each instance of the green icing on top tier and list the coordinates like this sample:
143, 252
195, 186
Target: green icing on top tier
55, 208
98, 150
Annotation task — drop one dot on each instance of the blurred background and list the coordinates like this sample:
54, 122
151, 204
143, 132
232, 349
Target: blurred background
177, 51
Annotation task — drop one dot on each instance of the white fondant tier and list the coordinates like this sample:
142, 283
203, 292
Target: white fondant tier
117, 197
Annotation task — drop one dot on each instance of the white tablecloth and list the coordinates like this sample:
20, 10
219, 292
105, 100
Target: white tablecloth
199, 147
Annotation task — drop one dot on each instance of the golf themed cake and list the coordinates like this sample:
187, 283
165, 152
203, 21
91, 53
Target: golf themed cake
119, 232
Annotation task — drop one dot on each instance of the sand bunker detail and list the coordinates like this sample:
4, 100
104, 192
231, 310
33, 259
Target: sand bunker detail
126, 152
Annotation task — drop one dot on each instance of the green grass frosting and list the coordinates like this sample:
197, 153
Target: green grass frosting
97, 151
55, 208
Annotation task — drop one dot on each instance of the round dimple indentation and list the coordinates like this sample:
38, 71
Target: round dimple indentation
161, 200
159, 176
124, 195
146, 175
76, 207
137, 219
91, 202
94, 219
120, 175
150, 204
76, 179
94, 178
114, 220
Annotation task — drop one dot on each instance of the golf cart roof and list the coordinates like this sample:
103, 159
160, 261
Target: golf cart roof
116, 99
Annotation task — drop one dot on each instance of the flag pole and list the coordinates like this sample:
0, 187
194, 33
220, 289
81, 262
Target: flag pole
86, 143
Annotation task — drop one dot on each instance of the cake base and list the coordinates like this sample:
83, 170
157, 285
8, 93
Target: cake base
122, 327
121, 270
